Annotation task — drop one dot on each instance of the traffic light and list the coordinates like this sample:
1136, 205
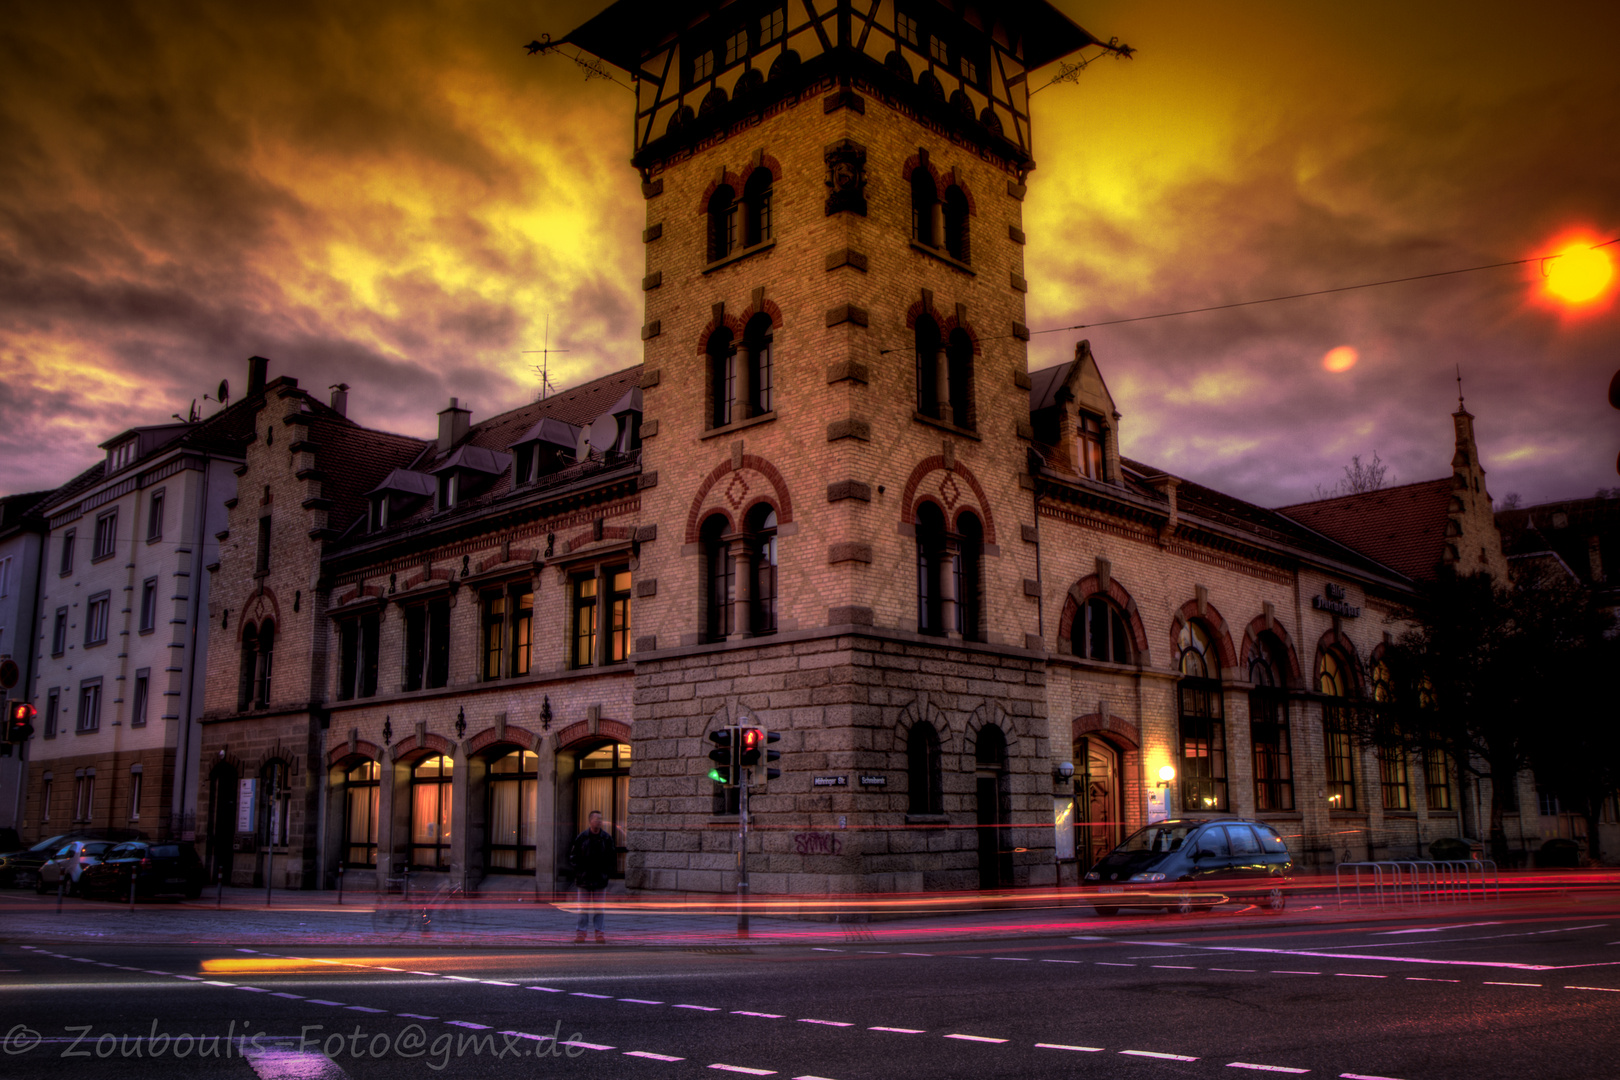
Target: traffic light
767, 755
753, 739
20, 721
724, 756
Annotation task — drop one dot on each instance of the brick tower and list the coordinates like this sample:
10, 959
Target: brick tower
835, 439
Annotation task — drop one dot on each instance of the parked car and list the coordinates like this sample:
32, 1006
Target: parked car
157, 868
68, 864
21, 868
1191, 864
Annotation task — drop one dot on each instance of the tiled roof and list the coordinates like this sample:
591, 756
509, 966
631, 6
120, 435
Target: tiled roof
355, 460
1044, 384
578, 405
1402, 527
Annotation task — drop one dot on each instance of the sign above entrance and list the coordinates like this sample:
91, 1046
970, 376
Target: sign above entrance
830, 781
1335, 602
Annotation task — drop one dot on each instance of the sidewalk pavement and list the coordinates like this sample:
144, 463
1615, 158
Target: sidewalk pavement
240, 916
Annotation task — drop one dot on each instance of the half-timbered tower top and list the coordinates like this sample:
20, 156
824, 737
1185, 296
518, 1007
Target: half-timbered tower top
700, 67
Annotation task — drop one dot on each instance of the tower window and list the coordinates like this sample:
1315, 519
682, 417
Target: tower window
722, 377
757, 207
956, 224
939, 50
723, 214
702, 65
926, 212
907, 28
771, 25
736, 47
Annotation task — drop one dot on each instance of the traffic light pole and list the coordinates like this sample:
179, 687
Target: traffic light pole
742, 852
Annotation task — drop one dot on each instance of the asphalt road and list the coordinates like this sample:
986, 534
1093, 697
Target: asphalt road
1470, 994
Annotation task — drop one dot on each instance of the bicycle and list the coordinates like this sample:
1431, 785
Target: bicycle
442, 911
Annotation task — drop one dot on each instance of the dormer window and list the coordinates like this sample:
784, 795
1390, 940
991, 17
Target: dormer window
379, 512
398, 496
449, 489
548, 446
466, 473
121, 455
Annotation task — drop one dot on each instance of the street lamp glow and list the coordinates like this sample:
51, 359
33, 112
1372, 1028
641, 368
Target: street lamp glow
1167, 773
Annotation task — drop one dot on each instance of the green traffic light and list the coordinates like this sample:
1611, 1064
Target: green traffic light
714, 774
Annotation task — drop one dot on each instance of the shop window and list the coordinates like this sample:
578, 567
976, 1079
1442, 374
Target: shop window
275, 781
1268, 728
1203, 728
361, 788
512, 788
1332, 683
357, 656
603, 786
427, 645
431, 783
923, 770
1437, 779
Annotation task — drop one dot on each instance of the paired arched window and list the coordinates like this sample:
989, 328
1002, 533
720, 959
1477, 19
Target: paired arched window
431, 781
258, 655
1100, 632
1203, 727
513, 806
969, 569
944, 373
737, 223
927, 215
1268, 726
740, 375
724, 218
360, 803
956, 224
923, 770
1333, 683
933, 578
1393, 778
757, 207
739, 575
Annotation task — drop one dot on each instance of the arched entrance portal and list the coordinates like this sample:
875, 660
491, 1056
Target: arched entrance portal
1099, 807
990, 781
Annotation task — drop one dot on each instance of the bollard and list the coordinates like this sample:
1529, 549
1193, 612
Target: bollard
340, 886
61, 891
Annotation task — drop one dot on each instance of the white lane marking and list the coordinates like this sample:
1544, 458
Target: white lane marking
468, 1024
149, 971
765, 1016
650, 1056
875, 952
818, 948
1106, 963
1046, 961
335, 1004
641, 1001
526, 1035
1433, 929
254, 989
586, 1045
1420, 978
460, 978
1019, 959
416, 1016
976, 1038
493, 982
1364, 956
282, 1063
1249, 970
548, 989
598, 997
1359, 1076
898, 1031
365, 1009
188, 978
1282, 971
809, 1077
247, 950
1152, 1054
744, 1070
826, 1023
1489, 983
1177, 967
1263, 1068
429, 974
289, 997
1354, 975
1605, 989
1062, 1046
916, 954
216, 982
697, 1008
385, 967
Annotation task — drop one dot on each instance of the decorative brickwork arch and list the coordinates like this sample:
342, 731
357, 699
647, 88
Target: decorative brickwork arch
989, 712
1216, 626
1084, 590
946, 323
766, 162
924, 709
949, 497
911, 165
734, 323
433, 744
521, 738
346, 756
1336, 642
1251, 644
1123, 733
261, 606
729, 179
575, 734
764, 307
952, 179
737, 493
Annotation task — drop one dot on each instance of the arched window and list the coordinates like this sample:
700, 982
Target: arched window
1203, 729
932, 579
959, 380
923, 769
1268, 726
1332, 682
723, 215
1394, 783
753, 391
603, 785
512, 787
267, 649
970, 576
717, 578
762, 560
956, 224
250, 666
757, 207
1100, 632
933, 376
926, 213
360, 791
722, 378
430, 813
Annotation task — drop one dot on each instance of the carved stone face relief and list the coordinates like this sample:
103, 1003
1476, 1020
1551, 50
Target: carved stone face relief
846, 178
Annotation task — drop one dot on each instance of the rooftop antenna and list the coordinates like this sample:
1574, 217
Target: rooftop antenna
545, 362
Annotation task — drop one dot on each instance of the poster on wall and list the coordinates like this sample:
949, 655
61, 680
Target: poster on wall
1063, 816
1158, 805
244, 805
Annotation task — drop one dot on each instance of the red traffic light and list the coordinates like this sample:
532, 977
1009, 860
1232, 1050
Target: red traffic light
19, 721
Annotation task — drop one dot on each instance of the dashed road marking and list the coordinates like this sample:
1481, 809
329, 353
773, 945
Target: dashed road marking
898, 1031
650, 1056
1420, 978
1284, 971
548, 989
1263, 1068
416, 1016
586, 1045
334, 1004
826, 1023
975, 1038
365, 1009
289, 997
1176, 967
1107, 963
1249, 970
1359, 1076
697, 1008
1064, 1046
254, 989
1355, 975
598, 997
641, 1001
468, 1024
1489, 983
1156, 1054
744, 1070
764, 1016
1604, 989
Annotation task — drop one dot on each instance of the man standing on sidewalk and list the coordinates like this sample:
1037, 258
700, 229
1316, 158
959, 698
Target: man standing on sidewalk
593, 857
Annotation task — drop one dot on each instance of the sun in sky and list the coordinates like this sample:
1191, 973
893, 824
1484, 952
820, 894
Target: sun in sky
1342, 358
1579, 273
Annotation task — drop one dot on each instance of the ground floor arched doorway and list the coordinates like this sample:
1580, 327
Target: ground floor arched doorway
594, 775
1099, 804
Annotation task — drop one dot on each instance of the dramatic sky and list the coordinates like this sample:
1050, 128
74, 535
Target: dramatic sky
392, 194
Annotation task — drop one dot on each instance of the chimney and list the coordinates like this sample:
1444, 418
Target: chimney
340, 399
258, 374
453, 424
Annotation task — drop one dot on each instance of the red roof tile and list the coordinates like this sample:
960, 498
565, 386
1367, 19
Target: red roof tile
1402, 527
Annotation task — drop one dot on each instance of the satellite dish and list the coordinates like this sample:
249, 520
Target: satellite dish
604, 434
224, 394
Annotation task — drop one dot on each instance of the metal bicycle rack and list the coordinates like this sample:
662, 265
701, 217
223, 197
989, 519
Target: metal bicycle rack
1401, 881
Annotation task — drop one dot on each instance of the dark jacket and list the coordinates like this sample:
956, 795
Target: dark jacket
594, 858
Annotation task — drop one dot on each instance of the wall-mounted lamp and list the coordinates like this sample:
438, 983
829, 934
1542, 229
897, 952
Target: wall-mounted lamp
1167, 775
1063, 771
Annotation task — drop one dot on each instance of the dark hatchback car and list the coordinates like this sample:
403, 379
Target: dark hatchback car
21, 868
1190, 865
157, 868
